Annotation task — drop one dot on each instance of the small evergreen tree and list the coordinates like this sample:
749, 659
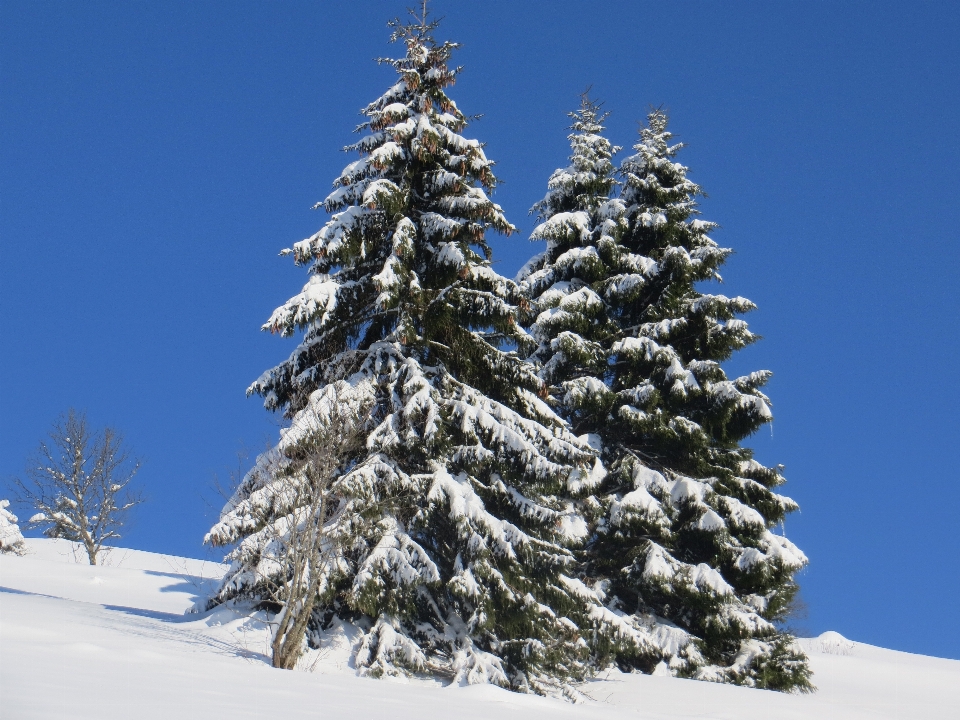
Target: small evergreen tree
11, 540
450, 519
685, 515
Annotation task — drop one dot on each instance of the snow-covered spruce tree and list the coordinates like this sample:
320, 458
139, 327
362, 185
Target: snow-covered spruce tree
449, 525
580, 225
569, 287
696, 511
11, 540
686, 514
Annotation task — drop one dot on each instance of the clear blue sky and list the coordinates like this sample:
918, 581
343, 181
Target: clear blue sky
155, 157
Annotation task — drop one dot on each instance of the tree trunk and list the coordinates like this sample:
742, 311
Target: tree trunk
91, 549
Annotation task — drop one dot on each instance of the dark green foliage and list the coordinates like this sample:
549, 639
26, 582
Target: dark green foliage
633, 349
449, 534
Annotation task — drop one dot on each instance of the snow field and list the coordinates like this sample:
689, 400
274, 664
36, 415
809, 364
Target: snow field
114, 641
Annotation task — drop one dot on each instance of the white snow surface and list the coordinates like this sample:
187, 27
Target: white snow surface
116, 641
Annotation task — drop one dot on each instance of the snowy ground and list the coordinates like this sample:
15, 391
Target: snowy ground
113, 641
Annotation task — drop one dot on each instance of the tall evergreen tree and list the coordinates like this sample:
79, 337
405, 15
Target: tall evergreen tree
575, 286
449, 528
685, 514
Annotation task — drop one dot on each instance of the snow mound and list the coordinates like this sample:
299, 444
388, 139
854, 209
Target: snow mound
116, 641
833, 643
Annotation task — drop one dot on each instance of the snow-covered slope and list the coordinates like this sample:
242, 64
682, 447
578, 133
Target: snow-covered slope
113, 641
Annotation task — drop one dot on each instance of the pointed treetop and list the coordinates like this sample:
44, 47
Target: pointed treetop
417, 32
590, 118
585, 184
654, 134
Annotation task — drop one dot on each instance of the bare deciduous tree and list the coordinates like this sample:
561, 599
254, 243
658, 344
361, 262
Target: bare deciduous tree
296, 524
80, 484
309, 546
